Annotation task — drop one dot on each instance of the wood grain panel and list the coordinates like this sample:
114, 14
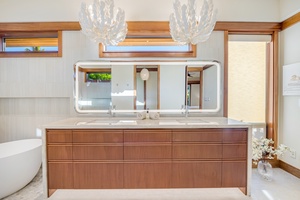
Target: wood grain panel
147, 135
59, 136
155, 151
234, 174
197, 151
248, 26
40, 26
198, 135
196, 174
147, 175
59, 152
231, 135
142, 28
98, 152
235, 151
60, 175
98, 175
98, 136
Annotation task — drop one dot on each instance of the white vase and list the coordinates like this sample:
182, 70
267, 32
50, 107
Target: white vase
265, 169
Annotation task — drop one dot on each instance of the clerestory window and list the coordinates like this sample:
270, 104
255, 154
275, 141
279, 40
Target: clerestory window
147, 47
31, 44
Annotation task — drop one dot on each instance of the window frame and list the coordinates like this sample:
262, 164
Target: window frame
191, 53
31, 34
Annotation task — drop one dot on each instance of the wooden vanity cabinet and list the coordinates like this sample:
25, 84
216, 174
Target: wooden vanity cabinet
197, 158
98, 159
147, 158
234, 167
59, 157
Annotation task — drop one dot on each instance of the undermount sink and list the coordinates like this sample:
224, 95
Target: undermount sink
109, 122
193, 121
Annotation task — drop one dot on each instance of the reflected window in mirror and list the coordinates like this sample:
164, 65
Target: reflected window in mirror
147, 91
95, 90
194, 87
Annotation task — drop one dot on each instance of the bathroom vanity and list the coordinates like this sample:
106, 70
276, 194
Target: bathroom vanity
90, 153
179, 149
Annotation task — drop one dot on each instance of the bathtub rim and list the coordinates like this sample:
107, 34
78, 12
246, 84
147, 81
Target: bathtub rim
32, 143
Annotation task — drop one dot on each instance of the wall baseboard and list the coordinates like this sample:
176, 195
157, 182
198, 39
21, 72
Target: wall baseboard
289, 168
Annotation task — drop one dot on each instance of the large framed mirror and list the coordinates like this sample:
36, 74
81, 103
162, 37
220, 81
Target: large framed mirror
168, 89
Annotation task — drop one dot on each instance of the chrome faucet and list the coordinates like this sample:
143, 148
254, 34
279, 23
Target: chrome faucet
111, 110
185, 109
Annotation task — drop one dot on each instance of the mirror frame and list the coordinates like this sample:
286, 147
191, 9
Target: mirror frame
105, 64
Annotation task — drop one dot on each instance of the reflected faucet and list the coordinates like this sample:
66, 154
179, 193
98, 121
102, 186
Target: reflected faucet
111, 110
185, 109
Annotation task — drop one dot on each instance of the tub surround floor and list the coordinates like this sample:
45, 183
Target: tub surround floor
32, 191
283, 186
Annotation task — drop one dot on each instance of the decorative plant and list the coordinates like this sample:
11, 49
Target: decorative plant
263, 149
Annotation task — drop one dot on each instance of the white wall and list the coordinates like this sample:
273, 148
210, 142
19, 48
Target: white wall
288, 8
36, 91
289, 106
122, 84
172, 91
135, 10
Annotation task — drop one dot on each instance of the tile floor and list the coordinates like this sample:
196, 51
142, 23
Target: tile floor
284, 186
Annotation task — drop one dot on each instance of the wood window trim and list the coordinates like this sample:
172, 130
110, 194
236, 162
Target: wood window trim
33, 54
272, 83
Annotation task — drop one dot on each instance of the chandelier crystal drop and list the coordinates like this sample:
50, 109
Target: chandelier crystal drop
186, 27
99, 23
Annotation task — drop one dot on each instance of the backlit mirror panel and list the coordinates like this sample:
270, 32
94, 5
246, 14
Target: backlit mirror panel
170, 87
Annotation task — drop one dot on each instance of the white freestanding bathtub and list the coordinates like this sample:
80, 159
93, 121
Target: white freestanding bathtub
19, 163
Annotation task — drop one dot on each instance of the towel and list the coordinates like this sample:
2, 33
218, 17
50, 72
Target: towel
141, 115
154, 115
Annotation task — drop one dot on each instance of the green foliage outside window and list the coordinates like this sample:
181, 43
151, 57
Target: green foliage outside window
99, 76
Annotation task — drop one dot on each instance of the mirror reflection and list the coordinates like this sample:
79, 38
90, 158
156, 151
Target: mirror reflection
146, 87
94, 88
165, 87
202, 87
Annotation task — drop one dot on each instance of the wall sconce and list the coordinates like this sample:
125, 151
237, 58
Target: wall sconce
144, 74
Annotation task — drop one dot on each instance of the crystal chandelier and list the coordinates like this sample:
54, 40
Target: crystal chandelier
186, 27
99, 23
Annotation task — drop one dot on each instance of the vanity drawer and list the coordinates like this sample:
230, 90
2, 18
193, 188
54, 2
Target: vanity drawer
197, 151
59, 136
197, 135
98, 136
234, 151
59, 152
98, 152
231, 135
155, 151
147, 135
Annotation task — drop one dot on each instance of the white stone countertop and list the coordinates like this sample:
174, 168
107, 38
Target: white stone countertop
134, 123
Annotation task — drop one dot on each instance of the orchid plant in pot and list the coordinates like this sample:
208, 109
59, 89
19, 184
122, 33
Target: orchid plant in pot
262, 151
